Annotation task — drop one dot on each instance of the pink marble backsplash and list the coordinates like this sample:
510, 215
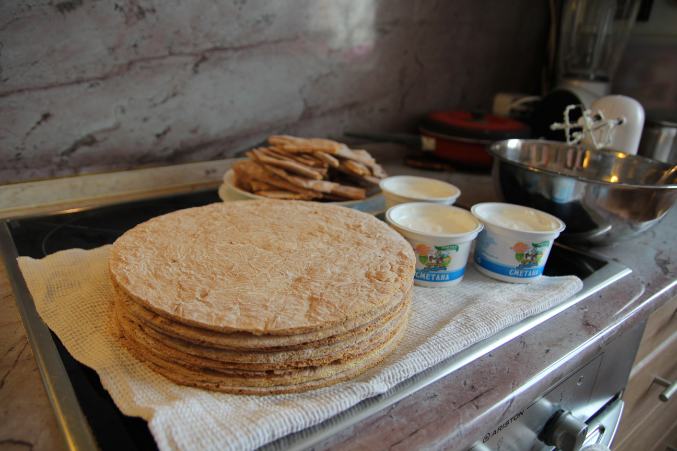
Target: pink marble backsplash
89, 86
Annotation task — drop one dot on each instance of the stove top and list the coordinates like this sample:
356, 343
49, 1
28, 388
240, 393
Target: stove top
90, 228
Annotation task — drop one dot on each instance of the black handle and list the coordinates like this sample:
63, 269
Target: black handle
414, 142
478, 116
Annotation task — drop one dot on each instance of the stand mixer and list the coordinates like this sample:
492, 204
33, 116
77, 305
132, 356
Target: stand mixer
592, 37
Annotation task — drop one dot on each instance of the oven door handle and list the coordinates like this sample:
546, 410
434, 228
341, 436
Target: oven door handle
603, 425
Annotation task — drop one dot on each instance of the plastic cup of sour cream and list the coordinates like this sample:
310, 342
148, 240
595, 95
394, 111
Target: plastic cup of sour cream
516, 241
401, 189
441, 236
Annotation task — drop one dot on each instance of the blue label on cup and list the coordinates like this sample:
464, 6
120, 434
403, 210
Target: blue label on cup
521, 271
510, 257
430, 274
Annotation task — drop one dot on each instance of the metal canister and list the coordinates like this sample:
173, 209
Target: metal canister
659, 136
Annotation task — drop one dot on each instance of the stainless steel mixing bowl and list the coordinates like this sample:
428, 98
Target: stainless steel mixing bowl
603, 197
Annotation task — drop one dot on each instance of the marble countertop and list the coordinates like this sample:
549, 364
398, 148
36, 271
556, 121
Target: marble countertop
451, 410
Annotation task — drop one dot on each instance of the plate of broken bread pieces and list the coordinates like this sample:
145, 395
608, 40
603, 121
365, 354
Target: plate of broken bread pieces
295, 168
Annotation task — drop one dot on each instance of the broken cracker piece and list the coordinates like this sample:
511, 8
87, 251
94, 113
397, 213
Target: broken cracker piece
292, 166
323, 186
378, 171
282, 195
350, 192
303, 158
258, 185
367, 178
357, 168
361, 157
329, 159
251, 170
304, 145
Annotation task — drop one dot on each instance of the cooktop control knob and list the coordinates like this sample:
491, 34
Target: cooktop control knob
564, 431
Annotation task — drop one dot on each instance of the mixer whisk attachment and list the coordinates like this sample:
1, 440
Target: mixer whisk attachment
591, 123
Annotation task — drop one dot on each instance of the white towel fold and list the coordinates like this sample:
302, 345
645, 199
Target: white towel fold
73, 295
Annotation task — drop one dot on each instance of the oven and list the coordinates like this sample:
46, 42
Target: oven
583, 407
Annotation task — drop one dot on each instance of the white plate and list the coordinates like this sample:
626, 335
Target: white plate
229, 192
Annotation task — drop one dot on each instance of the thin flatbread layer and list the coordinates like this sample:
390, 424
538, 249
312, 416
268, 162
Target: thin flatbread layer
248, 341
174, 348
147, 344
262, 266
268, 355
269, 378
320, 377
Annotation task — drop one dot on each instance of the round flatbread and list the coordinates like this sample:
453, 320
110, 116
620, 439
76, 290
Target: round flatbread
309, 379
248, 341
263, 267
146, 337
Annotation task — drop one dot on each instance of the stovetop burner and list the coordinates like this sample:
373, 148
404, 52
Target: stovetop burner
91, 228
38, 237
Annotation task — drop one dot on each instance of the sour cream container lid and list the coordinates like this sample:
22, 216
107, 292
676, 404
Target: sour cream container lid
406, 218
519, 221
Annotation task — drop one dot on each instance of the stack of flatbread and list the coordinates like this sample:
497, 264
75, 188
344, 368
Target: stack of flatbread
261, 297
308, 168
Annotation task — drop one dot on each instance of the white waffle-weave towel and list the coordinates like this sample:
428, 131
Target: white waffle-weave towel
73, 295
